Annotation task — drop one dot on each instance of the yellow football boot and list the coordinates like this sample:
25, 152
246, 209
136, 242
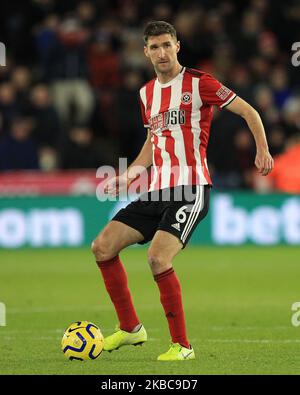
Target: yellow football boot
177, 353
122, 338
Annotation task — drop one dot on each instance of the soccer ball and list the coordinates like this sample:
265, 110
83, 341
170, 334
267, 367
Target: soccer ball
82, 340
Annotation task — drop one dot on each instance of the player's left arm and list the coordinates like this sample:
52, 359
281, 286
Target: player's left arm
263, 160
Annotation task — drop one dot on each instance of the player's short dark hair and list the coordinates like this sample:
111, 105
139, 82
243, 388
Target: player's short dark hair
156, 28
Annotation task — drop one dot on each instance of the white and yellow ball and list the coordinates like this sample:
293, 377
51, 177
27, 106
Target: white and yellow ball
82, 341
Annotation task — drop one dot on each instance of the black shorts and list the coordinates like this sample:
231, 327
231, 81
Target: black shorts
175, 210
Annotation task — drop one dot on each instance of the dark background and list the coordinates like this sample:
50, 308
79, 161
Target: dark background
69, 91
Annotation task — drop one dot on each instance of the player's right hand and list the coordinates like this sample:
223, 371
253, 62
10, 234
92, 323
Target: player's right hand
116, 185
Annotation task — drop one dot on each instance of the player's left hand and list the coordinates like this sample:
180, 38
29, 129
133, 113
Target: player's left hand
264, 162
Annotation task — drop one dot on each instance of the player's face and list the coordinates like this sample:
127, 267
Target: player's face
162, 51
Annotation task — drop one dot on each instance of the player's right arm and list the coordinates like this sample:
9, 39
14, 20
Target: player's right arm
116, 184
214, 93
263, 160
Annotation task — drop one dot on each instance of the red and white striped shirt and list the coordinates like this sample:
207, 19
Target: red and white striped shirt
178, 115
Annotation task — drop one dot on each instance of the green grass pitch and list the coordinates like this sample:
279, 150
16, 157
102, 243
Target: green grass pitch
237, 302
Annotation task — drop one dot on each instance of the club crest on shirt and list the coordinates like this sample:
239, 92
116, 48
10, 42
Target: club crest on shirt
186, 98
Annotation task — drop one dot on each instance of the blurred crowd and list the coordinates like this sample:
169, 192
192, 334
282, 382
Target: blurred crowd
69, 91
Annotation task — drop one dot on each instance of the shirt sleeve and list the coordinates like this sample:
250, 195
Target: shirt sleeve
214, 93
143, 112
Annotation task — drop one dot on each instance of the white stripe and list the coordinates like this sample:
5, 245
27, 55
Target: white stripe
196, 214
165, 169
177, 134
195, 128
143, 95
156, 100
197, 210
155, 107
192, 214
179, 152
144, 100
154, 176
206, 165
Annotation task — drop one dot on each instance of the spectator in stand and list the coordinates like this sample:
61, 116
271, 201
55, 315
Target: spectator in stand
264, 103
244, 156
291, 116
48, 159
45, 42
186, 25
21, 80
280, 86
104, 63
18, 149
276, 139
47, 129
80, 151
246, 40
87, 14
260, 69
131, 133
68, 72
241, 82
267, 46
9, 106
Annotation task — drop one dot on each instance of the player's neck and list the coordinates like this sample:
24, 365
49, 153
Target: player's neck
164, 78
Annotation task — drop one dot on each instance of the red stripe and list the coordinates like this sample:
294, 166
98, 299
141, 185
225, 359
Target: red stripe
187, 132
165, 99
170, 145
170, 142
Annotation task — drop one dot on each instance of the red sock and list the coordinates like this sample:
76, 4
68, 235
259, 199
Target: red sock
115, 280
170, 297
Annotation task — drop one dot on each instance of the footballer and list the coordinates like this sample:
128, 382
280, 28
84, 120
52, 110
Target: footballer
177, 108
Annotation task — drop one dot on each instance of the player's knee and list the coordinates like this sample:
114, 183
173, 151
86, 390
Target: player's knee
157, 262
103, 249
